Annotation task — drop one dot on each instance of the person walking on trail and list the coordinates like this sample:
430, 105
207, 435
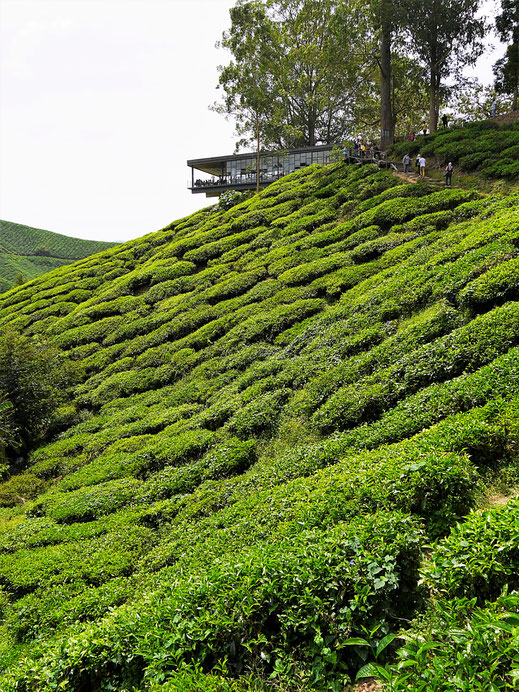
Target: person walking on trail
417, 163
407, 162
424, 127
422, 167
445, 120
448, 174
494, 106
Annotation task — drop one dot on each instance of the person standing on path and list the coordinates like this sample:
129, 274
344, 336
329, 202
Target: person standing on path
422, 167
407, 162
445, 120
448, 174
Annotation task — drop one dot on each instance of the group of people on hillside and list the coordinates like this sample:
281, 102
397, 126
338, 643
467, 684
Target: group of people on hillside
420, 159
420, 167
419, 163
362, 148
445, 123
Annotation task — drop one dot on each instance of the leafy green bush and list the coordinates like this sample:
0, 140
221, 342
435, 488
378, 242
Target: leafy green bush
505, 168
88, 503
34, 378
465, 349
21, 488
479, 557
463, 646
497, 285
278, 605
470, 162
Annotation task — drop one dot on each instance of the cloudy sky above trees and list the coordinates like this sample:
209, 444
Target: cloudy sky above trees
101, 104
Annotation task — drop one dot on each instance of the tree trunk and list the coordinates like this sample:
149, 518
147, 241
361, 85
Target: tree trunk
257, 154
434, 91
433, 104
387, 125
516, 89
515, 60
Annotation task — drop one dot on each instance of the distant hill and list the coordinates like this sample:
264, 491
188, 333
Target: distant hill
27, 252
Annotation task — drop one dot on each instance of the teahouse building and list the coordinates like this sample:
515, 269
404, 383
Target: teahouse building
238, 171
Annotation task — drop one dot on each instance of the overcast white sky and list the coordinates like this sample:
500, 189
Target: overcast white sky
101, 104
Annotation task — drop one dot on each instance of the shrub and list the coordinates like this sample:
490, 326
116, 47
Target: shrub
49, 609
499, 284
472, 161
86, 504
479, 557
19, 489
350, 573
34, 379
505, 168
229, 458
260, 415
465, 349
459, 643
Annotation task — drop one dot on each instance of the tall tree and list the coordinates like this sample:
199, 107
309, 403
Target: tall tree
386, 18
34, 382
387, 118
6, 431
247, 80
473, 100
295, 69
409, 98
319, 71
506, 69
445, 36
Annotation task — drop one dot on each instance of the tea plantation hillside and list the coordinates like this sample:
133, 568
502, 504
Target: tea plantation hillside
29, 252
270, 476
485, 147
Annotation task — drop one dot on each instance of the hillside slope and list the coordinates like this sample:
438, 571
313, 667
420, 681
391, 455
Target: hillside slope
281, 406
488, 148
29, 252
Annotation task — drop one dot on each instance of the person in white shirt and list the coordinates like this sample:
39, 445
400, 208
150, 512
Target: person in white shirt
448, 174
422, 167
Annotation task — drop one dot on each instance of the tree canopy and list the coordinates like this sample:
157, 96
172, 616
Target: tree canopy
506, 69
304, 73
295, 72
445, 36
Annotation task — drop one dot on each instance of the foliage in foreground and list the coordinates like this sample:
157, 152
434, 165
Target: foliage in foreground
469, 636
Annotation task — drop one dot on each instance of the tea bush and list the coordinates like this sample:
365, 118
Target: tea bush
465, 645
479, 558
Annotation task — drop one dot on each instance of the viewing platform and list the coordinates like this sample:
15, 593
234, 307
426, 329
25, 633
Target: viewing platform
238, 171
216, 175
